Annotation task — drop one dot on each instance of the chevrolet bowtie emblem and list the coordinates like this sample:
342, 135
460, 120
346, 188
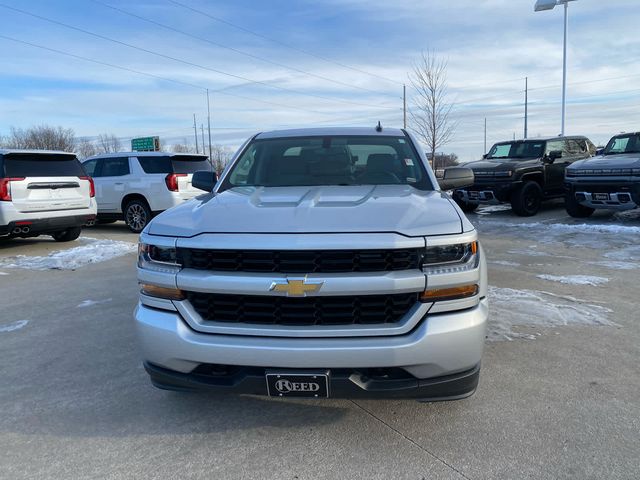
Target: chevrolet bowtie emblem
296, 288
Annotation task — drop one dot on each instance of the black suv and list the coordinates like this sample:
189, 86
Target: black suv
523, 173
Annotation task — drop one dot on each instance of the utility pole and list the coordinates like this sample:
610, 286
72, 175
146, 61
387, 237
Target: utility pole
204, 150
526, 105
195, 132
404, 104
209, 126
485, 134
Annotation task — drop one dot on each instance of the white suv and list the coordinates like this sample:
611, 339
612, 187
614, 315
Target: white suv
44, 193
135, 186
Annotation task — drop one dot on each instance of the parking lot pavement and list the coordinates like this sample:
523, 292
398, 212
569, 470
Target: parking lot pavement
558, 396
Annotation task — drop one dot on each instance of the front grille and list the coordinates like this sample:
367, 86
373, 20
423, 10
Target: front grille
300, 261
275, 310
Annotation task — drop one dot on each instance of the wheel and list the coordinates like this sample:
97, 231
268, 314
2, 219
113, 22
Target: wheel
576, 210
526, 201
68, 235
466, 206
136, 215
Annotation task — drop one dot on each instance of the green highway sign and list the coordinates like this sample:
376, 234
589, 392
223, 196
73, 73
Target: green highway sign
145, 144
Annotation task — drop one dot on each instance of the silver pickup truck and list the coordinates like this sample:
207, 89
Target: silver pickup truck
609, 181
322, 263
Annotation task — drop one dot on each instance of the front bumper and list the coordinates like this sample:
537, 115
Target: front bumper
441, 344
491, 192
613, 194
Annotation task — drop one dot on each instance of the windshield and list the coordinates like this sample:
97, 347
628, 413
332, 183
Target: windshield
339, 160
41, 165
517, 150
623, 144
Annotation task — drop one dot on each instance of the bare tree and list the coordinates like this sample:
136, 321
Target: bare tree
444, 160
86, 148
108, 143
183, 147
220, 156
431, 111
42, 137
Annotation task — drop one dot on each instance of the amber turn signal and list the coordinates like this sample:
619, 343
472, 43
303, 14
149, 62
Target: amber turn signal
453, 293
162, 292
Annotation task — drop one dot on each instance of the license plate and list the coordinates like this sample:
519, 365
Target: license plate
601, 196
311, 385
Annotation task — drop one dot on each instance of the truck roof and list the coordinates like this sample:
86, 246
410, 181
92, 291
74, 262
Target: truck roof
542, 139
331, 132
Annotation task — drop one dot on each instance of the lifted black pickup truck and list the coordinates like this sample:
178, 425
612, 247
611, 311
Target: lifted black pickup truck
523, 173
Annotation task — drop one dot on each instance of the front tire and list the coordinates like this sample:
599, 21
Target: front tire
526, 201
466, 206
136, 215
576, 210
68, 235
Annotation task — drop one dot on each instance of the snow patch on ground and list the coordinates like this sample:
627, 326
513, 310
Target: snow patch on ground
91, 303
10, 327
489, 209
617, 265
504, 263
94, 251
626, 253
568, 228
4, 273
536, 309
575, 279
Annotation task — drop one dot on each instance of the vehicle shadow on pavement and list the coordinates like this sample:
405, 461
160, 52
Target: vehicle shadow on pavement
143, 410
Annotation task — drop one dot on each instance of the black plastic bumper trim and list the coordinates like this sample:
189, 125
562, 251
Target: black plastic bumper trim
44, 225
342, 385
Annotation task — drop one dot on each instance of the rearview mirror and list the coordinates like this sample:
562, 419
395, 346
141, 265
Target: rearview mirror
456, 177
204, 180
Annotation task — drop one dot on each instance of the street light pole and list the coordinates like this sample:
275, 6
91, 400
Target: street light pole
564, 65
540, 6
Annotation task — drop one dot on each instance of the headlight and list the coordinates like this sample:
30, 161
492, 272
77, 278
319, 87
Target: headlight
507, 173
450, 258
158, 259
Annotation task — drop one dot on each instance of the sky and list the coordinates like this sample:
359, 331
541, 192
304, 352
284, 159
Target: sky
138, 68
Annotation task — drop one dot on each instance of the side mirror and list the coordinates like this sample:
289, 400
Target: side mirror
204, 180
456, 177
484, 157
552, 156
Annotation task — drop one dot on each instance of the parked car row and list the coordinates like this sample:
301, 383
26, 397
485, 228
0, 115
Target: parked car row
525, 173
52, 193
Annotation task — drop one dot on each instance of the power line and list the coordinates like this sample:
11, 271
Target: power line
186, 62
264, 37
238, 51
139, 72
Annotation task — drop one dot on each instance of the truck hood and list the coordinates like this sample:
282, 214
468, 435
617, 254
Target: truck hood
624, 160
501, 164
325, 209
